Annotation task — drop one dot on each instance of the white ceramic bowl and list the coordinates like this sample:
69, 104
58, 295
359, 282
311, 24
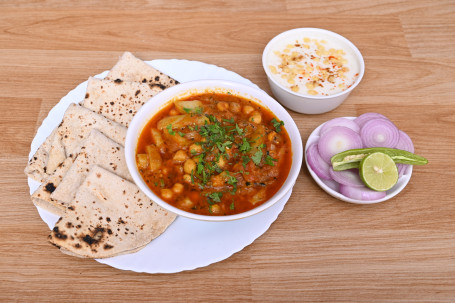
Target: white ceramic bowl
176, 92
327, 186
308, 104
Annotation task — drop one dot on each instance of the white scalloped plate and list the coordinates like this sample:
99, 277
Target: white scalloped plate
327, 187
187, 244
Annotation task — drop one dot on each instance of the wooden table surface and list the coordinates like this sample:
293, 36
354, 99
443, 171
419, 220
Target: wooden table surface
319, 249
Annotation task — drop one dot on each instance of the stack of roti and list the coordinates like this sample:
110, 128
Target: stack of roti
82, 169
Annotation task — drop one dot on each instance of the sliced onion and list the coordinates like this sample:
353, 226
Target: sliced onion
319, 166
360, 120
332, 184
404, 143
339, 122
361, 193
336, 140
379, 133
348, 177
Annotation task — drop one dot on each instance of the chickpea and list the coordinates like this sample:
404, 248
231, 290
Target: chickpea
195, 149
256, 117
177, 188
166, 194
187, 178
189, 166
247, 109
222, 106
235, 107
185, 203
180, 156
216, 209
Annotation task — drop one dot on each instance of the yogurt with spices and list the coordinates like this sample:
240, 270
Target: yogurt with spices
313, 65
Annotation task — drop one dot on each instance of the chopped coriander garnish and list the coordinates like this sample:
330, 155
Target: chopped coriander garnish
181, 134
239, 130
215, 196
245, 160
245, 146
277, 124
231, 180
232, 207
269, 160
257, 157
169, 130
198, 110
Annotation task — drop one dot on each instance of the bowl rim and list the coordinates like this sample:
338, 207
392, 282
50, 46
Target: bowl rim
356, 51
406, 176
157, 102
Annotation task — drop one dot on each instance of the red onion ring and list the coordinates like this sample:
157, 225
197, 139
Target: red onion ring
348, 177
404, 143
379, 133
336, 140
319, 166
360, 120
361, 193
339, 122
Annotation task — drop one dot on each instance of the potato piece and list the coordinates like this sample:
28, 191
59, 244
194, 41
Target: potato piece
181, 121
189, 107
154, 157
181, 141
157, 138
221, 162
219, 180
142, 161
258, 197
170, 120
258, 139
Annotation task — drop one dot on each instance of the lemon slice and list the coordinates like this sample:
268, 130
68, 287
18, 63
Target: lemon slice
378, 171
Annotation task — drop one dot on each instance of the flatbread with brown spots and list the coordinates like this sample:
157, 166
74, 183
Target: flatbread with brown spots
57, 192
130, 68
64, 141
109, 216
117, 100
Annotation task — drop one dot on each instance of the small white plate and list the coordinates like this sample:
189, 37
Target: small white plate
325, 185
187, 244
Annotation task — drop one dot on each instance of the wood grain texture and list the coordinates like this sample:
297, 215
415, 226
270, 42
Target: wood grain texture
319, 249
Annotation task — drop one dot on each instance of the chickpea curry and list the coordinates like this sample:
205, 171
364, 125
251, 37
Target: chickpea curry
214, 154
